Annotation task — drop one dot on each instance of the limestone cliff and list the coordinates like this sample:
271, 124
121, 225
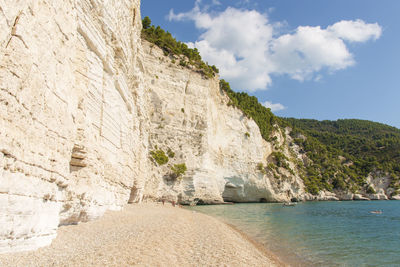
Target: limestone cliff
73, 125
219, 144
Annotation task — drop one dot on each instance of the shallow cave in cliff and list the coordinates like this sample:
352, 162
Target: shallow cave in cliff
232, 192
134, 195
199, 201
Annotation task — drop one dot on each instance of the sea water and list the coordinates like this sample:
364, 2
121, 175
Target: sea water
320, 233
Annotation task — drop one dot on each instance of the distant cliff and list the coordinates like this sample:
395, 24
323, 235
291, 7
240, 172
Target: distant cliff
350, 156
92, 118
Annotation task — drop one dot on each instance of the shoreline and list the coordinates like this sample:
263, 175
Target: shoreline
280, 260
149, 234
271, 256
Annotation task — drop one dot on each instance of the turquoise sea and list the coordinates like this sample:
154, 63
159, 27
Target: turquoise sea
320, 233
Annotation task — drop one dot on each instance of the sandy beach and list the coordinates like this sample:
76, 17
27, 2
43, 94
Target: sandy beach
147, 234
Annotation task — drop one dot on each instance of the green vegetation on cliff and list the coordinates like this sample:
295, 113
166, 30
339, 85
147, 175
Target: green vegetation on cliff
250, 106
341, 153
344, 152
171, 46
178, 170
159, 156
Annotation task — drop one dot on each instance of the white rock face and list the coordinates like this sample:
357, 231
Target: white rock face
346, 196
327, 196
395, 197
72, 115
380, 183
377, 197
220, 146
359, 197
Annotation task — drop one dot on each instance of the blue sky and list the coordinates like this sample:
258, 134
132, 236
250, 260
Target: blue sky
303, 58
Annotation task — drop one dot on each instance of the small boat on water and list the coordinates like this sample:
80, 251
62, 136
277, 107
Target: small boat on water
376, 212
289, 204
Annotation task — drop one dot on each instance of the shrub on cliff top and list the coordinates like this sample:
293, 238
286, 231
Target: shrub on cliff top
146, 22
170, 45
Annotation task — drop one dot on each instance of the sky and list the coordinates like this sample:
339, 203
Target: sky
314, 59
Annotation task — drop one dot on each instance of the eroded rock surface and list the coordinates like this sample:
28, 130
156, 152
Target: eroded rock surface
221, 147
72, 115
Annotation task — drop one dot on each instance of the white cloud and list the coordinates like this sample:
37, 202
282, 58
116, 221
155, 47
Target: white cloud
355, 31
216, 2
308, 50
274, 106
247, 49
